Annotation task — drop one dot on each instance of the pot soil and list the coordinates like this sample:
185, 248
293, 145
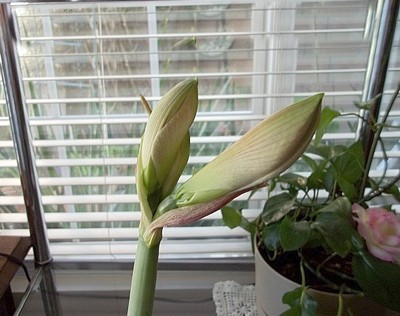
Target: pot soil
282, 276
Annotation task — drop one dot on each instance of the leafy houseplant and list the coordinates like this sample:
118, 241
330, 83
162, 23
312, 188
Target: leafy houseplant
320, 232
163, 154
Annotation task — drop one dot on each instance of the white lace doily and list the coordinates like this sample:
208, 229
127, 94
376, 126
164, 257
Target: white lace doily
233, 299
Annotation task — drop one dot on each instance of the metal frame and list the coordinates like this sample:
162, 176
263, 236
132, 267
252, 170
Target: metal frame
377, 66
19, 121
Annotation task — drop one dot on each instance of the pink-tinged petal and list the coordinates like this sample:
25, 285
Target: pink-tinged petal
393, 241
380, 253
361, 214
394, 250
358, 209
190, 214
364, 231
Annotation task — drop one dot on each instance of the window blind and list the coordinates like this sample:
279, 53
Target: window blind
85, 64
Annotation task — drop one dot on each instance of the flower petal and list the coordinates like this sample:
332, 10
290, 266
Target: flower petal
262, 153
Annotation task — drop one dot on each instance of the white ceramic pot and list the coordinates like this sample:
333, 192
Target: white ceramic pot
270, 287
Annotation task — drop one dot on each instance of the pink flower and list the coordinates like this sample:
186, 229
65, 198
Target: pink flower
381, 231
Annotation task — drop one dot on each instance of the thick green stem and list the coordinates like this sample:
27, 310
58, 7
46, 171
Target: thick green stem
143, 279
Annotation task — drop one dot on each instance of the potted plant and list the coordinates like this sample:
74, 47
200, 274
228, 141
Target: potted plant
322, 234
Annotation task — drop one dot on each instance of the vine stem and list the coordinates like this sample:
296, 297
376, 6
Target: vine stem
340, 302
375, 141
338, 273
329, 283
377, 192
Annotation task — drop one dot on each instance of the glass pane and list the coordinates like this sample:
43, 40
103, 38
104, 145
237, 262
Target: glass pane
85, 64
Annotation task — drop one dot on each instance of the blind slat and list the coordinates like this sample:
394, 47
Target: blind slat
188, 35
195, 74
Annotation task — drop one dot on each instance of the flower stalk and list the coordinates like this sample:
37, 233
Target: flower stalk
144, 279
163, 153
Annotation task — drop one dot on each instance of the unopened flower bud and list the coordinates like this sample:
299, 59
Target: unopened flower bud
165, 145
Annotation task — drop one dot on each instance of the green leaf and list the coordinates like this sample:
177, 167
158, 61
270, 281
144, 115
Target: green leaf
341, 206
271, 186
336, 231
309, 161
348, 167
277, 207
292, 298
349, 189
334, 225
380, 280
293, 311
248, 226
323, 151
271, 237
309, 305
394, 191
294, 235
327, 116
366, 105
301, 303
232, 217
293, 179
330, 180
316, 180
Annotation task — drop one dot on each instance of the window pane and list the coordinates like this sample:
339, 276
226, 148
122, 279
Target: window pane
85, 64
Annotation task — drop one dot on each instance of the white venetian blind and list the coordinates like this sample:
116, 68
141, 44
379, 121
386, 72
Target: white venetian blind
84, 65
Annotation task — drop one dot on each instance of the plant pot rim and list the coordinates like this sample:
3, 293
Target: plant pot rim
294, 283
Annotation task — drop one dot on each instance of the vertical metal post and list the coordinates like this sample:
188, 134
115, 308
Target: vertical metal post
19, 122
378, 60
50, 297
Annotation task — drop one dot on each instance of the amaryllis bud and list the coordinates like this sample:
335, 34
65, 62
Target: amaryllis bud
165, 145
261, 154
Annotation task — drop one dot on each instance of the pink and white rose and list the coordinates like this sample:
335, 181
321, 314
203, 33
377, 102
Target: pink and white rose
381, 231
